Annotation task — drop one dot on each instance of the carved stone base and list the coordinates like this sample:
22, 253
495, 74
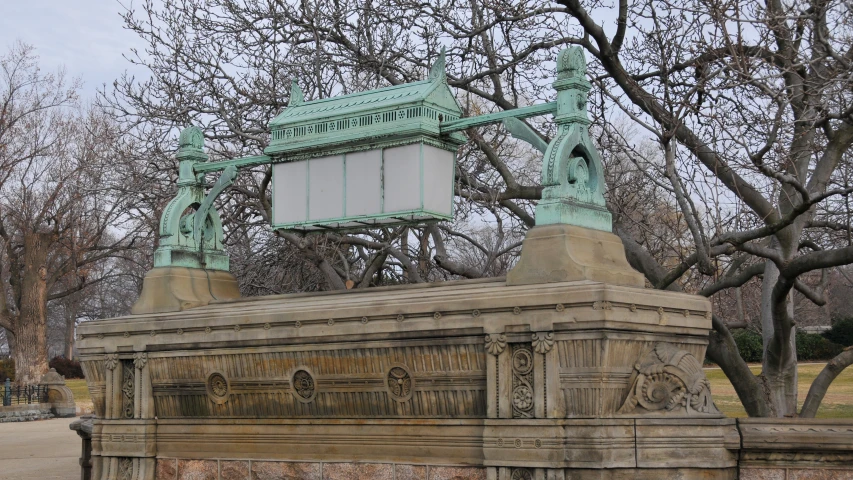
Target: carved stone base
173, 289
564, 253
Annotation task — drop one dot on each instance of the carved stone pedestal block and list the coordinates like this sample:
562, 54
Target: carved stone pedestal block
558, 380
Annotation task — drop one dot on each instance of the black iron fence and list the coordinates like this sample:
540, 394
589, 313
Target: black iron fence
22, 394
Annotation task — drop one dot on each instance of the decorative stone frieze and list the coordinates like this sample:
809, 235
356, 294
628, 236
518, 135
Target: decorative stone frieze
522, 381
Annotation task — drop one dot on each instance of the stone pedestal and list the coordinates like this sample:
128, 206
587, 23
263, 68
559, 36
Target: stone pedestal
473, 379
172, 289
564, 253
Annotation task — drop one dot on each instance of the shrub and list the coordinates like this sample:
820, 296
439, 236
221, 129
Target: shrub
841, 332
812, 346
67, 368
749, 344
7, 369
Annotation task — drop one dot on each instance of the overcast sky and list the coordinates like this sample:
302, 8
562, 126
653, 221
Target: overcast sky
84, 35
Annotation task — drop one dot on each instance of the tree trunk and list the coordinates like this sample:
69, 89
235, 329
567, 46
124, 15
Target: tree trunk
31, 335
779, 368
10, 341
70, 323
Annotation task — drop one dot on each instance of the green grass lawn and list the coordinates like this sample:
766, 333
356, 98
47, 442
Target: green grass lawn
838, 402
80, 391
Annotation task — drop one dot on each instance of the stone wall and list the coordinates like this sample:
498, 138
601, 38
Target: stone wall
574, 380
796, 449
25, 412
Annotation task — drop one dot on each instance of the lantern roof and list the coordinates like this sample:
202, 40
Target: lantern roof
410, 110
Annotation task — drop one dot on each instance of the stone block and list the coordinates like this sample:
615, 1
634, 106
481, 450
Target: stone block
167, 469
410, 472
762, 474
233, 470
457, 473
198, 470
356, 471
819, 474
285, 471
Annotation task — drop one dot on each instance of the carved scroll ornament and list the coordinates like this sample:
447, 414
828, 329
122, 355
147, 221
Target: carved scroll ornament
669, 381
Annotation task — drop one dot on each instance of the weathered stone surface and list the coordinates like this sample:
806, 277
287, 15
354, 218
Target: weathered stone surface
233, 470
457, 473
410, 472
198, 470
172, 289
356, 471
285, 471
564, 253
819, 474
167, 469
762, 474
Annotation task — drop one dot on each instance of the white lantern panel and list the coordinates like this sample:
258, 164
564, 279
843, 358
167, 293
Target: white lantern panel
363, 179
290, 189
438, 180
402, 178
326, 187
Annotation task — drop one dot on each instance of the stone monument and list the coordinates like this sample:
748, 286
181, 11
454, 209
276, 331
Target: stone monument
567, 369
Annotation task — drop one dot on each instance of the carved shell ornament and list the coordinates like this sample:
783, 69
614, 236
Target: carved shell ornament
669, 381
495, 343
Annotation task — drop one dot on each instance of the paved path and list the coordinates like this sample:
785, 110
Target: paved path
46, 449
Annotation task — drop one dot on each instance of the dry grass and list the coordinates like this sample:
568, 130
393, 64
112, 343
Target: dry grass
81, 395
838, 402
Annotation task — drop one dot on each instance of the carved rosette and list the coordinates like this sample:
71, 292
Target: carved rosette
495, 343
400, 383
218, 388
303, 385
543, 342
522, 381
669, 381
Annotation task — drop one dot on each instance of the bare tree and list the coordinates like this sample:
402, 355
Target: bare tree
734, 178
58, 214
751, 102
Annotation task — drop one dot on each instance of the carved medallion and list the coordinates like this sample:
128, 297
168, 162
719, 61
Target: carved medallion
218, 388
522, 381
521, 474
400, 383
303, 385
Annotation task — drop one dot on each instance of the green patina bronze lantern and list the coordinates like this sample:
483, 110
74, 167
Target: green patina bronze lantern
388, 157
372, 158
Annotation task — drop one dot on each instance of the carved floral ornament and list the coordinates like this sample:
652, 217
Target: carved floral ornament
400, 383
111, 360
303, 384
218, 388
543, 342
669, 381
140, 359
495, 343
